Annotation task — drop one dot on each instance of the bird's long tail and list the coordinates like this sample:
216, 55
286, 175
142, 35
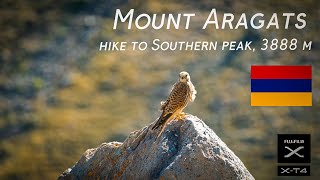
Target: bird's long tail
158, 123
161, 122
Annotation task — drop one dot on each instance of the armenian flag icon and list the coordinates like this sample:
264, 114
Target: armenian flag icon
281, 85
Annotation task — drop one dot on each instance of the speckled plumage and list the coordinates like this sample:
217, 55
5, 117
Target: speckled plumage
181, 94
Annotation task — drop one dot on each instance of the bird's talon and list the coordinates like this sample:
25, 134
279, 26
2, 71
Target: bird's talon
181, 116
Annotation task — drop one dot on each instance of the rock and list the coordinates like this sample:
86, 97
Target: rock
187, 149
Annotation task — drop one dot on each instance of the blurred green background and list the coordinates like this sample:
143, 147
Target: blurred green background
60, 96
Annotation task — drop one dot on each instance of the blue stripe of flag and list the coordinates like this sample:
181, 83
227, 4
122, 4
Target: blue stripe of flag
281, 85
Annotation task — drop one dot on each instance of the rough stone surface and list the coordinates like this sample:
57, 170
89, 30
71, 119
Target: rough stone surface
188, 149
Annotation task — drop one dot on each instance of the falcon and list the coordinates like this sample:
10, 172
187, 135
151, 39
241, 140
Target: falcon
181, 94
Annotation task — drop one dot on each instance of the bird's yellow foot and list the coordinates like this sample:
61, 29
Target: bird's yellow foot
181, 116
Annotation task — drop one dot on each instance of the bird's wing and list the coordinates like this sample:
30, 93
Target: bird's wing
163, 104
177, 99
164, 115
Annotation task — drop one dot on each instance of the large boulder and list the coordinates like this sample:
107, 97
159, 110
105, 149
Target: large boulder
187, 149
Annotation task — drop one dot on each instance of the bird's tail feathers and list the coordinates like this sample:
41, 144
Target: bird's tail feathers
161, 120
157, 124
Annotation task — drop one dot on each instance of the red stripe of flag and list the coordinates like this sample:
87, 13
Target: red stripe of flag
281, 72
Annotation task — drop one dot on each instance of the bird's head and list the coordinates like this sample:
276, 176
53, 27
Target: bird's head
184, 77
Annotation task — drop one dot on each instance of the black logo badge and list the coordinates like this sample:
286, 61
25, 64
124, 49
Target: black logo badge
294, 148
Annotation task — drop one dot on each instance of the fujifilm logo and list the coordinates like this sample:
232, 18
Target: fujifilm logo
294, 148
293, 141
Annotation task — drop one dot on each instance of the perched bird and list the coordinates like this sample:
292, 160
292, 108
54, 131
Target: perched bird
181, 94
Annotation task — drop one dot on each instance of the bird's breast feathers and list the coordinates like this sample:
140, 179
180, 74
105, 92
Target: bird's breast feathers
193, 91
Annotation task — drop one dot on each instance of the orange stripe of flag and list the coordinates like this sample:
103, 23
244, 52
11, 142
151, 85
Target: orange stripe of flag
281, 99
